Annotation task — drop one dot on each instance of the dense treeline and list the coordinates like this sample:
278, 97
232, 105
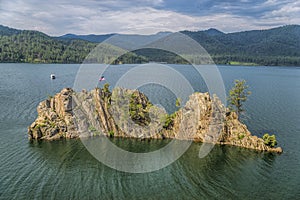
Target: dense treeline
158, 55
278, 46
36, 47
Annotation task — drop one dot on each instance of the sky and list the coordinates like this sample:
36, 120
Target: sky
58, 17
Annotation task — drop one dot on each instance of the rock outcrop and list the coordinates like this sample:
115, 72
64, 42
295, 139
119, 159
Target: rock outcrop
55, 118
128, 113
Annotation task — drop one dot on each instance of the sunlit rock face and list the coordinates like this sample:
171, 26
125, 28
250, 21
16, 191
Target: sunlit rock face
129, 113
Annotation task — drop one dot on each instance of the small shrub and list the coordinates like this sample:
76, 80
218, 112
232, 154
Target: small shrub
169, 121
50, 97
52, 124
106, 88
111, 133
92, 129
270, 140
241, 136
138, 111
96, 133
178, 102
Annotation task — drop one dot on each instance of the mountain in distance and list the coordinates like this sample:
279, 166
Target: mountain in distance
90, 38
276, 46
126, 41
213, 32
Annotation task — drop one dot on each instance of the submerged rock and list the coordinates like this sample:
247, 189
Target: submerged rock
129, 113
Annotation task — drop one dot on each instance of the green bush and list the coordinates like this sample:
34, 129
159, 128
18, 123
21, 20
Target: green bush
270, 140
178, 102
92, 129
106, 88
169, 121
241, 136
139, 110
111, 133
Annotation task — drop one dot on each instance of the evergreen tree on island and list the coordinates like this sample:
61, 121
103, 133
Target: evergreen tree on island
238, 95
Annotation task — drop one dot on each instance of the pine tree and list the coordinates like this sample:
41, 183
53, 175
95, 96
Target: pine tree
237, 95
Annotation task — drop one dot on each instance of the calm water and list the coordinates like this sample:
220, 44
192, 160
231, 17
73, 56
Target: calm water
66, 170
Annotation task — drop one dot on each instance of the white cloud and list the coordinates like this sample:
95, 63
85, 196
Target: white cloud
136, 16
288, 13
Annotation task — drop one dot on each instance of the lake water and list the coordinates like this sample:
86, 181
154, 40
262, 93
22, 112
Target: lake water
65, 169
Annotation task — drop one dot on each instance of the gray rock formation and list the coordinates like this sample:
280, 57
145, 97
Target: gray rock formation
128, 113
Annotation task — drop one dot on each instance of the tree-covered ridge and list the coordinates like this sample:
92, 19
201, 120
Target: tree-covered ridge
36, 47
278, 46
4, 30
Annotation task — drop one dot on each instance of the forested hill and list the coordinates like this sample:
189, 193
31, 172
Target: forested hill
277, 46
37, 47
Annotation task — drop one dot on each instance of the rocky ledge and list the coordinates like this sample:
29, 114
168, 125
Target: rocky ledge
129, 113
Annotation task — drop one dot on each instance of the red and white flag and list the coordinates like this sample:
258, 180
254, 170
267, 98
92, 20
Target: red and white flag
102, 78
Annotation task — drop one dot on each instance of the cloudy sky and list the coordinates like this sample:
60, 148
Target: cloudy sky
58, 17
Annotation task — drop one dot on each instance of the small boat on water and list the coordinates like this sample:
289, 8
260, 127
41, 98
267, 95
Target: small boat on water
52, 76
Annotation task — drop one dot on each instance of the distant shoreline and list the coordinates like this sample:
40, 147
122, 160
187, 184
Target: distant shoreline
271, 47
235, 64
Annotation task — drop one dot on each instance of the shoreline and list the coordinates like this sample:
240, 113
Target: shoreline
281, 66
146, 140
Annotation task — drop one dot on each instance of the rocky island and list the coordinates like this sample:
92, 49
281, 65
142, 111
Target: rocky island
129, 113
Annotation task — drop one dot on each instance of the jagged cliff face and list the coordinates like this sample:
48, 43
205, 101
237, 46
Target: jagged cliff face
55, 118
128, 113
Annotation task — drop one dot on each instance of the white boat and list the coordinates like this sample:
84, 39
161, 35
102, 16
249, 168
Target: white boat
52, 76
